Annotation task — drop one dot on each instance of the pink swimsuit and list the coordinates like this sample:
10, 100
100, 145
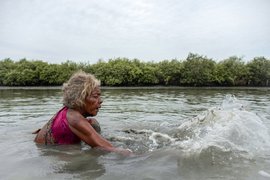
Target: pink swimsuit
60, 129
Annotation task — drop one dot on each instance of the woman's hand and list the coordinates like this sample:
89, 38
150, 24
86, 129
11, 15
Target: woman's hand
125, 152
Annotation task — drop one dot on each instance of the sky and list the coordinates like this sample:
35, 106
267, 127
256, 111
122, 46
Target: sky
150, 30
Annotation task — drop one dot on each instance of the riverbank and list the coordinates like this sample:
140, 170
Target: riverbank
140, 87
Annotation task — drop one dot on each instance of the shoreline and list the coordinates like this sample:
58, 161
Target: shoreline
138, 87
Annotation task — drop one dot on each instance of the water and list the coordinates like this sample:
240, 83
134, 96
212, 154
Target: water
175, 134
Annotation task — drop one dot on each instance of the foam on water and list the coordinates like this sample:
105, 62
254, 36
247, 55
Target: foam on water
226, 129
263, 173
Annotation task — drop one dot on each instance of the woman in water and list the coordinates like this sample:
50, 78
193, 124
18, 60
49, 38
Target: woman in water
70, 125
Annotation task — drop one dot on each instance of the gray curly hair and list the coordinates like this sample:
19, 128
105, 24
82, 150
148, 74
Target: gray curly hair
77, 88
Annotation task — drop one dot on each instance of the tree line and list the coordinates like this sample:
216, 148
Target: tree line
195, 70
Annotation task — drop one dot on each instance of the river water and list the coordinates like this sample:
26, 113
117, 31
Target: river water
174, 134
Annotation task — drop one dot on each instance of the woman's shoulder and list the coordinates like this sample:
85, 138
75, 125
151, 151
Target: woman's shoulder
74, 117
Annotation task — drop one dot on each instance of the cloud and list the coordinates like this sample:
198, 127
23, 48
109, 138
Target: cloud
149, 30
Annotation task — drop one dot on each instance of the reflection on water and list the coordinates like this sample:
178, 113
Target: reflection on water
175, 134
71, 159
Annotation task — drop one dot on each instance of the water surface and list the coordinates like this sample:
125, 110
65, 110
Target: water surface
174, 133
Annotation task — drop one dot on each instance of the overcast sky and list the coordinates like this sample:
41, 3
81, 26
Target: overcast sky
150, 30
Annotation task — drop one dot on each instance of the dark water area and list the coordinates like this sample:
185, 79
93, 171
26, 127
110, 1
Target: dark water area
174, 134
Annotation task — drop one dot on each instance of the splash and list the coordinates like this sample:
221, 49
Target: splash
227, 128
226, 131
145, 140
264, 174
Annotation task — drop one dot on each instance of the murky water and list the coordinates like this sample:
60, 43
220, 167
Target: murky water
175, 134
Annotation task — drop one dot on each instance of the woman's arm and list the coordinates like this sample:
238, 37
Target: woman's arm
94, 123
83, 129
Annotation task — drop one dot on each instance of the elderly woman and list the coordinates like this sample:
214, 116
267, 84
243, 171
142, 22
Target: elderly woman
81, 98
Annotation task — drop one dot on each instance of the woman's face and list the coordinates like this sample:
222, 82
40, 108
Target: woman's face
93, 102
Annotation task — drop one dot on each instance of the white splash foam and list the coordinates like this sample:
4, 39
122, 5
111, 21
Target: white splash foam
228, 127
264, 174
155, 137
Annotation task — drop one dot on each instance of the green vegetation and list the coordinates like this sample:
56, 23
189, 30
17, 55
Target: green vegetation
195, 70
